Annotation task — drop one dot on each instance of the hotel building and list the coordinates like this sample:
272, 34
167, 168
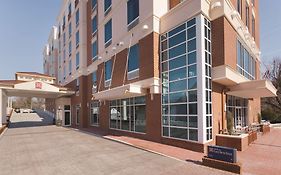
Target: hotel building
161, 70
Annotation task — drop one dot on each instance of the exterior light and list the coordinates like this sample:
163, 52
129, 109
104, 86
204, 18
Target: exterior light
145, 27
216, 5
121, 43
113, 48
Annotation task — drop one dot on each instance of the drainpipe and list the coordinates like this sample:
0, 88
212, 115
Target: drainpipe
224, 90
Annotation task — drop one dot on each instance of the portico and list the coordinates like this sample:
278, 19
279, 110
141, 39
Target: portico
31, 84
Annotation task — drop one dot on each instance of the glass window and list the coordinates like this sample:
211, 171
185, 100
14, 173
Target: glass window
178, 50
192, 71
77, 17
193, 123
177, 74
192, 83
176, 30
77, 38
94, 82
193, 109
70, 66
94, 3
192, 58
94, 24
108, 31
192, 96
178, 133
69, 30
192, 45
77, 60
94, 50
108, 69
140, 119
177, 39
239, 6
193, 134
191, 32
178, 97
69, 48
178, 86
180, 121
133, 62
69, 8
94, 113
178, 109
177, 62
107, 4
132, 10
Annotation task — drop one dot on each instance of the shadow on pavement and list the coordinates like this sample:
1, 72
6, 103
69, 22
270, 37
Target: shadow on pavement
40, 118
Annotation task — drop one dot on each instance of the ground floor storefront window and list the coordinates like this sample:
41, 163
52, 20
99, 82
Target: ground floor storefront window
238, 107
94, 118
128, 114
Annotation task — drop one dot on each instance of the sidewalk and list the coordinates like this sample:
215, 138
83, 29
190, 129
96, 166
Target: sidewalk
158, 148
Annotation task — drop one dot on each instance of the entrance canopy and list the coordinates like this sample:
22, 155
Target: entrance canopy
253, 89
33, 84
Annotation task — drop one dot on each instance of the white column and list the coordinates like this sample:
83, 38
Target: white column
201, 79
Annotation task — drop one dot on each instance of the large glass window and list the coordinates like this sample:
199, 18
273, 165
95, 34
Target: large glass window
247, 15
77, 16
239, 7
94, 25
94, 82
132, 11
77, 38
107, 6
128, 114
179, 82
94, 119
246, 64
94, 50
108, 70
69, 48
77, 60
70, 66
94, 4
69, 30
133, 63
108, 32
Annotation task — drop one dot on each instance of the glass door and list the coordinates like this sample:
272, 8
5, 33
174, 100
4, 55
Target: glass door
67, 115
238, 120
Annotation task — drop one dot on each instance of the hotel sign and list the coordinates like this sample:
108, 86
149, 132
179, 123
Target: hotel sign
38, 85
222, 153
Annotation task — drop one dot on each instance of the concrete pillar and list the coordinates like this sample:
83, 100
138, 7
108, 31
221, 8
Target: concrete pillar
3, 107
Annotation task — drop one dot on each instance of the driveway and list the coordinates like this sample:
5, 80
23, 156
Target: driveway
51, 150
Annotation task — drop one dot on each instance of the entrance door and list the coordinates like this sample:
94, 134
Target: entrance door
67, 116
239, 118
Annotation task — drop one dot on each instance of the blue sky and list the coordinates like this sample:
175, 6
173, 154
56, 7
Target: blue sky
25, 26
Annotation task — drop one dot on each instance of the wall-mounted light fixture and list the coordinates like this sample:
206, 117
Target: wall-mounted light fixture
234, 14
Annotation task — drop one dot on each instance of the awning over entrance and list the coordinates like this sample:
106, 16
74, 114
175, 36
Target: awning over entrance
129, 90
253, 89
125, 91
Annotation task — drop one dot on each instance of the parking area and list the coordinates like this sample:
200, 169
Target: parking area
51, 150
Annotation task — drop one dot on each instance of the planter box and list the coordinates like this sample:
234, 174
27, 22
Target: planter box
252, 137
240, 142
265, 129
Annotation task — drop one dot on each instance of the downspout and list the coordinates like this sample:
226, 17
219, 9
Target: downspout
224, 90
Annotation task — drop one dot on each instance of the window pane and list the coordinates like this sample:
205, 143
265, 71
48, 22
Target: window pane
140, 119
108, 69
192, 108
192, 71
133, 63
165, 131
132, 10
177, 39
176, 51
177, 62
192, 58
178, 97
107, 4
193, 121
176, 30
94, 49
192, 45
177, 74
192, 96
178, 86
178, 109
193, 134
94, 24
108, 31
192, 83
191, 32
178, 121
178, 133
